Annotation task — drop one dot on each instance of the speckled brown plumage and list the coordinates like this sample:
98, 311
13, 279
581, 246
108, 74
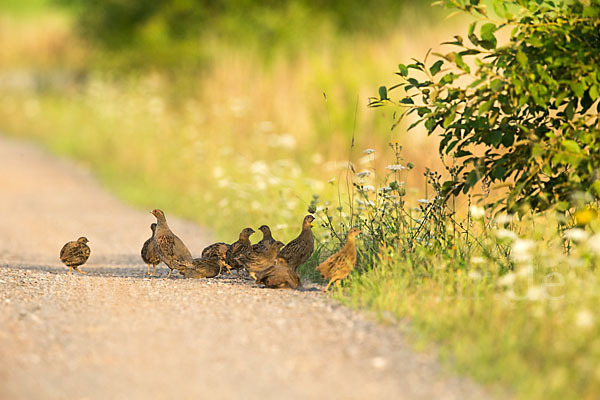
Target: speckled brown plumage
257, 261
266, 241
171, 250
217, 251
75, 253
149, 254
298, 250
278, 276
203, 268
238, 248
339, 265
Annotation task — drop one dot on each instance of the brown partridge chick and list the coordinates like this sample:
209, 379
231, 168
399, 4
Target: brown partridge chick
75, 253
278, 276
265, 242
218, 251
237, 249
339, 265
149, 254
258, 261
298, 250
204, 268
171, 250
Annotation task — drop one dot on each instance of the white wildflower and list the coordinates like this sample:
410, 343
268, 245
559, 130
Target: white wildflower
576, 235
477, 260
503, 219
363, 174
535, 293
477, 212
266, 126
259, 167
284, 141
594, 243
385, 189
475, 275
368, 151
521, 250
584, 319
367, 188
369, 158
365, 203
395, 167
507, 280
525, 271
423, 201
218, 172
506, 234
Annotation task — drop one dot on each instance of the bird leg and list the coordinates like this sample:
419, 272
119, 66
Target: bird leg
170, 272
70, 269
329, 284
148, 273
78, 270
154, 270
228, 268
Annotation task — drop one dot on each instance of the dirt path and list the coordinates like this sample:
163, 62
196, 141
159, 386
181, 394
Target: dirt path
115, 334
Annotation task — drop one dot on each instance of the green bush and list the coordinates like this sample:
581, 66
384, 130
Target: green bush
175, 31
524, 113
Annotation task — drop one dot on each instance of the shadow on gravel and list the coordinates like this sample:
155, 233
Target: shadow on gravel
138, 272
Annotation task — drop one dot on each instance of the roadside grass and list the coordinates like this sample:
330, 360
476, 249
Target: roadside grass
511, 301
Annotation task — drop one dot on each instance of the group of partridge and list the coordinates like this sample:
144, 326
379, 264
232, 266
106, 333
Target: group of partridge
269, 262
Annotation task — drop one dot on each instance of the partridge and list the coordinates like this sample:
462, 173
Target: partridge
339, 265
278, 276
203, 268
171, 250
296, 252
149, 254
257, 261
266, 240
75, 253
237, 249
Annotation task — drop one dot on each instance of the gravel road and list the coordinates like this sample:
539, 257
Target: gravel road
117, 334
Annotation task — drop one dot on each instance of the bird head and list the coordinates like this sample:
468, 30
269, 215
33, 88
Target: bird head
158, 214
307, 223
83, 240
153, 226
352, 233
265, 230
246, 233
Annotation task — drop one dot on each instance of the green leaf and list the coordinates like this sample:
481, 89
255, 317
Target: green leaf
499, 172
471, 35
461, 64
522, 59
383, 93
449, 119
485, 107
403, 69
593, 92
472, 179
596, 187
571, 146
578, 88
562, 205
436, 67
488, 40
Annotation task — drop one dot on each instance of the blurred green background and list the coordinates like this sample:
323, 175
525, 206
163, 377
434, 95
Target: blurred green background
242, 106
